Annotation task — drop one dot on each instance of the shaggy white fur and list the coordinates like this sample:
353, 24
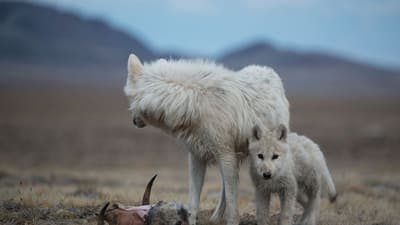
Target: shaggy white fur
210, 109
292, 166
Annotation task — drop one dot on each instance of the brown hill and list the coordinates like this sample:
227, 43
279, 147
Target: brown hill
32, 33
313, 73
43, 46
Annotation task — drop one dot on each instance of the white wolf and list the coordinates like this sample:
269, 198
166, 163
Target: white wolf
212, 111
292, 166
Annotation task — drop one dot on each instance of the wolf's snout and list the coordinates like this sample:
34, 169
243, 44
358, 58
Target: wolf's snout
267, 175
139, 123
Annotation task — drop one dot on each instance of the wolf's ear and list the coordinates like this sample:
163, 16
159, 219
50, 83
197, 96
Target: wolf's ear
256, 132
282, 132
135, 67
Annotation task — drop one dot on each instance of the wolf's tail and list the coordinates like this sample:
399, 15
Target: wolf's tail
326, 176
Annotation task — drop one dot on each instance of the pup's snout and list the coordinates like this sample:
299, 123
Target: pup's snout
139, 123
267, 175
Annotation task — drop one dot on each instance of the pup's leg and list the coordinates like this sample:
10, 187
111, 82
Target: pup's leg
230, 175
262, 206
220, 210
288, 202
197, 170
302, 198
311, 209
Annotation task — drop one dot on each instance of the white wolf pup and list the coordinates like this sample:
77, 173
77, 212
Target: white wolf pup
293, 167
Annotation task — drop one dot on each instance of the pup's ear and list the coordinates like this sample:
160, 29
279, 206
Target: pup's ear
282, 132
135, 67
257, 132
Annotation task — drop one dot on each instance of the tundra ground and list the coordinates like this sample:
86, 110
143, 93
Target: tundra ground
64, 153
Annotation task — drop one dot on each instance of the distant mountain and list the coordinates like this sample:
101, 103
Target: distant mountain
41, 45
31, 33
317, 73
265, 54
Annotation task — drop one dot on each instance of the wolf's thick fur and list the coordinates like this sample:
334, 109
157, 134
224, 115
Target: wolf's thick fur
211, 110
294, 167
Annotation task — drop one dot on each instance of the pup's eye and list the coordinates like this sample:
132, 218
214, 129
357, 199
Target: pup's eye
260, 156
178, 223
275, 156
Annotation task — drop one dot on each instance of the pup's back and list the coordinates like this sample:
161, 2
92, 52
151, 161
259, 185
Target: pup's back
308, 158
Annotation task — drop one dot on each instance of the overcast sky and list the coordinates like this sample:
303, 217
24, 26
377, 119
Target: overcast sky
366, 30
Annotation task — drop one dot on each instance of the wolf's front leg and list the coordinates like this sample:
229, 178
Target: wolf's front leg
230, 175
288, 202
197, 170
262, 207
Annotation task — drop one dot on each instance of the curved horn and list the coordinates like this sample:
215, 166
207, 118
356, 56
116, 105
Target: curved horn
102, 215
146, 195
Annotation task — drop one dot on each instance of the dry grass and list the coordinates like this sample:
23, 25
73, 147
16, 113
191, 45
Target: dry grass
72, 197
63, 153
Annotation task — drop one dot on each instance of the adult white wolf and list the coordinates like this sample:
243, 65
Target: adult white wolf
212, 110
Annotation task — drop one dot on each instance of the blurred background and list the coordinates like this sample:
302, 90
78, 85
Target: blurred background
64, 124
